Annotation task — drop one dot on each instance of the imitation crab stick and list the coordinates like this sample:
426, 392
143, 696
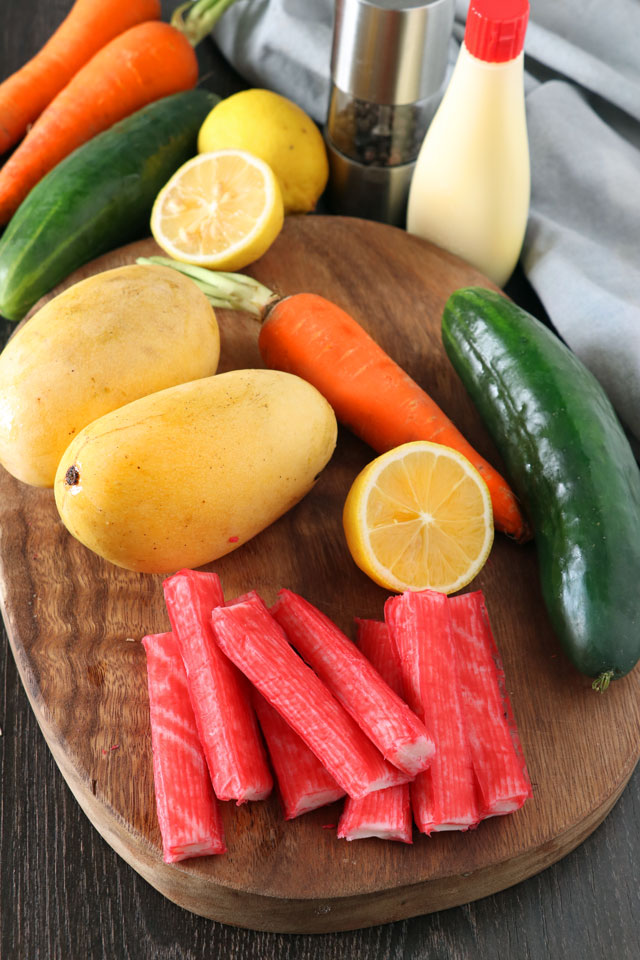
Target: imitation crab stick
375, 398
496, 752
255, 642
148, 61
385, 718
188, 815
303, 782
219, 693
386, 813
88, 26
444, 797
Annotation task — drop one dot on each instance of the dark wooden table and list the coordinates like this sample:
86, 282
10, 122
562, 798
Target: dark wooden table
65, 895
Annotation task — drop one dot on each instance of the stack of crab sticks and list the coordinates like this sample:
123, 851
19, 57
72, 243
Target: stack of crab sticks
409, 725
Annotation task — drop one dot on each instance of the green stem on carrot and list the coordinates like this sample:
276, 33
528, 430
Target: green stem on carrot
229, 291
197, 18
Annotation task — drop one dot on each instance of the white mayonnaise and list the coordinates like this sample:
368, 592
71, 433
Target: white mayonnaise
470, 190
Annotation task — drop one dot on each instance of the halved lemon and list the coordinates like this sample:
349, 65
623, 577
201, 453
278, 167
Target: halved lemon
221, 210
419, 517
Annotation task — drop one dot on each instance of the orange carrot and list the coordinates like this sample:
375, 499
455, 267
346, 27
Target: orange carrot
370, 394
89, 25
149, 61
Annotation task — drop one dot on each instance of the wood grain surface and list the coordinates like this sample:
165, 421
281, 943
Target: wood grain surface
71, 618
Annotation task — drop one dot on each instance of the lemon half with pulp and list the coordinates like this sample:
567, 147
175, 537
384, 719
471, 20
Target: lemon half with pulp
419, 517
221, 210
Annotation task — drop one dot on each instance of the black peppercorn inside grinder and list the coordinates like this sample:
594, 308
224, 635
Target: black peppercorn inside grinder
388, 65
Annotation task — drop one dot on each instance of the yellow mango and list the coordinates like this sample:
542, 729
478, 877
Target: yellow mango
186, 475
98, 345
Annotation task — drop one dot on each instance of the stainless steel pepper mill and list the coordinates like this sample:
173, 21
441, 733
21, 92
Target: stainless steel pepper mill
388, 64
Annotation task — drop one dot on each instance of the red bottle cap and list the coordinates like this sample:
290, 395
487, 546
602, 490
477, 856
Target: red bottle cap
495, 29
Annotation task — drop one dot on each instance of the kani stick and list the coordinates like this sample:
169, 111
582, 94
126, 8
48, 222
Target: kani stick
498, 760
400, 736
303, 783
445, 797
188, 814
219, 692
386, 813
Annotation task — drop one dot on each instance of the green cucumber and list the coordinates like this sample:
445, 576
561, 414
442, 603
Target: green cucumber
97, 198
571, 464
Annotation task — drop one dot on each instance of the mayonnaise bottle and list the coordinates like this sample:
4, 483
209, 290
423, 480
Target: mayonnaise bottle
470, 188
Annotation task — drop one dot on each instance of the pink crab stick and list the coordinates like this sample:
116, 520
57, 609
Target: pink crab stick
386, 813
445, 797
398, 733
251, 638
303, 783
497, 755
226, 722
188, 815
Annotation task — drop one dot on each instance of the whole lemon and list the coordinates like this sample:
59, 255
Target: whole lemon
277, 131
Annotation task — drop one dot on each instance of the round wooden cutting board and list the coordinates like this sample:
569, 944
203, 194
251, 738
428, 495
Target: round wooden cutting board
74, 623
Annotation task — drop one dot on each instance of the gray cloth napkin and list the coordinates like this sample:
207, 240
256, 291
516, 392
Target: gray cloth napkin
582, 247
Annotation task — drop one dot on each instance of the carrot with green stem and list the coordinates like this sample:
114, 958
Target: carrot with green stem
88, 26
370, 393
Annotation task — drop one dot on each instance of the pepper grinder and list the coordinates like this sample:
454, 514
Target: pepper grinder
388, 63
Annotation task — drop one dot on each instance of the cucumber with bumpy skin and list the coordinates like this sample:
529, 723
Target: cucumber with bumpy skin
571, 464
97, 198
